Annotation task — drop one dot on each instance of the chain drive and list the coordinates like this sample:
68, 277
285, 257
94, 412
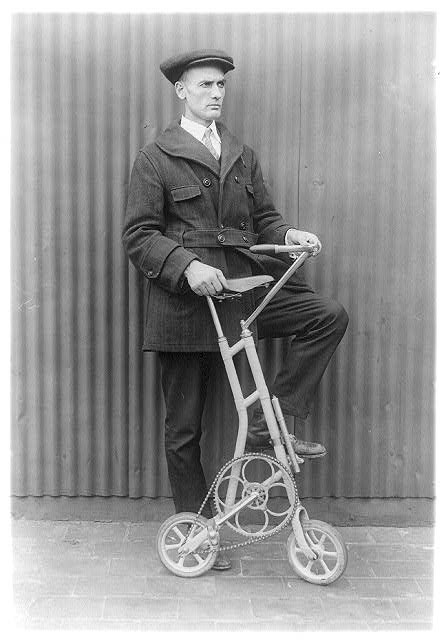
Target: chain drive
251, 539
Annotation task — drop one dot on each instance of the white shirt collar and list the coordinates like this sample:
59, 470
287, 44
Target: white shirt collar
197, 130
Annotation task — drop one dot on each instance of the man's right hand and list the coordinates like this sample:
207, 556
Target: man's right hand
203, 279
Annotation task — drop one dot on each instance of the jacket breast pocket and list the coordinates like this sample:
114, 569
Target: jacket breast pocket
188, 206
180, 194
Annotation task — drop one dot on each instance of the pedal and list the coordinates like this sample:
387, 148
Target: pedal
213, 533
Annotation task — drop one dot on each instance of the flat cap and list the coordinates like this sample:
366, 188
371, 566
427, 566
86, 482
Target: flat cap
174, 67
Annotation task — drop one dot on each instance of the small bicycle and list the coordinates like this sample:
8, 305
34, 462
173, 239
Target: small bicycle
254, 494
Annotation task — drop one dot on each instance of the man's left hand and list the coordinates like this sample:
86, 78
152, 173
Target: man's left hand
295, 236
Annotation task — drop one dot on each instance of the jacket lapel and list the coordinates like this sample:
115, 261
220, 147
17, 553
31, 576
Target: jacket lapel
231, 150
175, 141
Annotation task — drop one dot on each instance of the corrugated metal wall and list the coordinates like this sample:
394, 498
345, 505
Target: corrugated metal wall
367, 172
341, 112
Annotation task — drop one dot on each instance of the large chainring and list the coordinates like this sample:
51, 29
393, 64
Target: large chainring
276, 496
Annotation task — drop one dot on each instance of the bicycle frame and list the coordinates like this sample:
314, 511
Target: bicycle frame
261, 392
271, 407
316, 551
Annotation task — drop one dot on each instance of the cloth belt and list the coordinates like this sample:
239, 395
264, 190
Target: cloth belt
226, 237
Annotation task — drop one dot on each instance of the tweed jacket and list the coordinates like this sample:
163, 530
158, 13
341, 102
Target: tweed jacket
185, 205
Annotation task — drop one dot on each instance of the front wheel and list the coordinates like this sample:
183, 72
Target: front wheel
327, 544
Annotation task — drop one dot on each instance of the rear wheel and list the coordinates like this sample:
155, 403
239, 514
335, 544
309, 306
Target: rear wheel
172, 535
329, 547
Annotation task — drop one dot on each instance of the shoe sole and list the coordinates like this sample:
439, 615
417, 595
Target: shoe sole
270, 448
221, 567
311, 455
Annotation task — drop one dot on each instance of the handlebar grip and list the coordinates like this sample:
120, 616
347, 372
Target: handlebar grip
282, 248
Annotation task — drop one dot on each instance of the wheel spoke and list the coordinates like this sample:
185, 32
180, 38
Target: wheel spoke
324, 566
173, 546
198, 558
331, 554
179, 534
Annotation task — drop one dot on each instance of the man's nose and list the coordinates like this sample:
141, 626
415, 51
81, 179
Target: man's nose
217, 92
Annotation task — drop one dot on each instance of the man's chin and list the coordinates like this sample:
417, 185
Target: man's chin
212, 114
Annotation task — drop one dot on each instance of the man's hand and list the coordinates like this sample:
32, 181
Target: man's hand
203, 279
295, 236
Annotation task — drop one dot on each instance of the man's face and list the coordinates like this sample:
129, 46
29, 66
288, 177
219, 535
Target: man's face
203, 89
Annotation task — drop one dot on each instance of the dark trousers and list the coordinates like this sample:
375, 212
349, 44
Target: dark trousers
317, 325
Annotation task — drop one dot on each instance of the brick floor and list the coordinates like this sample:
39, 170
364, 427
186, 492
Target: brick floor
101, 576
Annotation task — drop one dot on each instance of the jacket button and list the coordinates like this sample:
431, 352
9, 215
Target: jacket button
221, 238
207, 182
243, 224
237, 179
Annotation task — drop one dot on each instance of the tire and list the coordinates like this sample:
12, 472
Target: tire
332, 553
171, 535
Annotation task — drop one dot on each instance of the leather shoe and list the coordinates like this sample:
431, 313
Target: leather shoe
222, 562
258, 438
307, 449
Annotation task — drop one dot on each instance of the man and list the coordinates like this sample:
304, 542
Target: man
197, 202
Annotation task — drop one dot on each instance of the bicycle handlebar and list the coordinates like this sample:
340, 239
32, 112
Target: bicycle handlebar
282, 248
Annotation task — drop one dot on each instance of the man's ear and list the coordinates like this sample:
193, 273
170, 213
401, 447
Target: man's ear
180, 89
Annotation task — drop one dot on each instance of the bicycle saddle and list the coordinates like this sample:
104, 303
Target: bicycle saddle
240, 285
237, 286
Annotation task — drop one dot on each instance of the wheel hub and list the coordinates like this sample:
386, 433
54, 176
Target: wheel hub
261, 495
319, 552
